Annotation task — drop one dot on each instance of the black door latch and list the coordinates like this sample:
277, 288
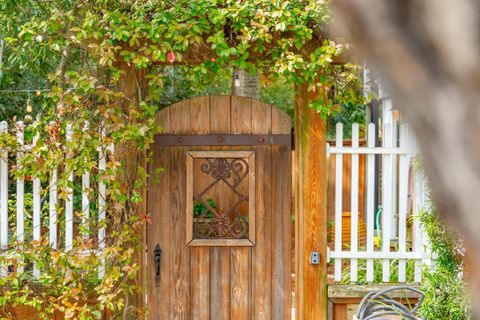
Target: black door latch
158, 257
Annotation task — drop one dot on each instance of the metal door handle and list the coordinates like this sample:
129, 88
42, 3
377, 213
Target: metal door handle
158, 257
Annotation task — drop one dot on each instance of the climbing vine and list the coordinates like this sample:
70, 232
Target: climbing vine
103, 63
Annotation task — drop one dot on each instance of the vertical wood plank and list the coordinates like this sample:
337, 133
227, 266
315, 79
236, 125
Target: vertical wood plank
281, 231
338, 200
417, 228
20, 187
281, 221
85, 202
387, 214
85, 197
3, 198
220, 293
101, 209
370, 200
180, 258
241, 115
20, 208
199, 112
102, 193
179, 300
310, 206
239, 277
159, 231
36, 212
240, 121
354, 205
340, 312
52, 225
162, 232
262, 252
402, 201
69, 201
220, 283
200, 282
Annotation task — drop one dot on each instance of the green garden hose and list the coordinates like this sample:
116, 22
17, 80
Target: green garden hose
377, 221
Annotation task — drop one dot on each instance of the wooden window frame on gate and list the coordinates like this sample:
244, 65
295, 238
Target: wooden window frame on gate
248, 156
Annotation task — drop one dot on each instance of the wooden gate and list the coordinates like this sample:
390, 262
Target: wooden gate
219, 243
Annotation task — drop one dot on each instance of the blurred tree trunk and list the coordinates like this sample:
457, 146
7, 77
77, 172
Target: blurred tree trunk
245, 84
427, 55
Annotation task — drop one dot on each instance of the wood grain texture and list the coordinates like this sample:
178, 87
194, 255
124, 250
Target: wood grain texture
240, 269
340, 312
240, 283
262, 253
310, 207
180, 264
199, 122
200, 283
281, 231
179, 255
158, 232
223, 282
281, 221
220, 256
241, 115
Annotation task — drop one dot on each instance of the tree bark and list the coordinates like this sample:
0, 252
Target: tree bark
426, 54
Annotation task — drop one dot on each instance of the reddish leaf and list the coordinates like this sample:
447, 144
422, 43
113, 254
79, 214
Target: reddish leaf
171, 57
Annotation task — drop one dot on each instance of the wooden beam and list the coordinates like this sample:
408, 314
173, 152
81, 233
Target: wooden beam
310, 208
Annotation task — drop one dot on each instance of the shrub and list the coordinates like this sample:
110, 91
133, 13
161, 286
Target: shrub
444, 287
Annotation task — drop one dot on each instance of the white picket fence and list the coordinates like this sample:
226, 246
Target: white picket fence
20, 234
396, 158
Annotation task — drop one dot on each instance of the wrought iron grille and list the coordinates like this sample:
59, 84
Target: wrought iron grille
220, 208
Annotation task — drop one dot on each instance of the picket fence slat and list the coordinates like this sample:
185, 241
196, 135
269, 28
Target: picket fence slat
354, 205
85, 196
20, 232
417, 229
394, 176
338, 200
403, 199
69, 201
370, 200
387, 213
52, 228
36, 212
3, 198
54, 231
101, 208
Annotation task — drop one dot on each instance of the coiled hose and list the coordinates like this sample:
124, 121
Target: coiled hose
378, 304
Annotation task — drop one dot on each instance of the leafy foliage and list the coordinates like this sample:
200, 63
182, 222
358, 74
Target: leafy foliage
200, 210
378, 272
107, 63
348, 114
445, 292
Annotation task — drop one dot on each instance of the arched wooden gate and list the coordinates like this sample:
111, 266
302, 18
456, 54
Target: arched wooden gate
219, 243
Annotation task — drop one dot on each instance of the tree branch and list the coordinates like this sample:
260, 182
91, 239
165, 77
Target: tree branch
62, 67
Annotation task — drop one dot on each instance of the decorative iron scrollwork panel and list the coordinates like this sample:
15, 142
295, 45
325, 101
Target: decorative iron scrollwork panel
221, 195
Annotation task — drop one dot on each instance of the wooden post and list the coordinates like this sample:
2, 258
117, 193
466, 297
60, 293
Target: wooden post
310, 208
134, 85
